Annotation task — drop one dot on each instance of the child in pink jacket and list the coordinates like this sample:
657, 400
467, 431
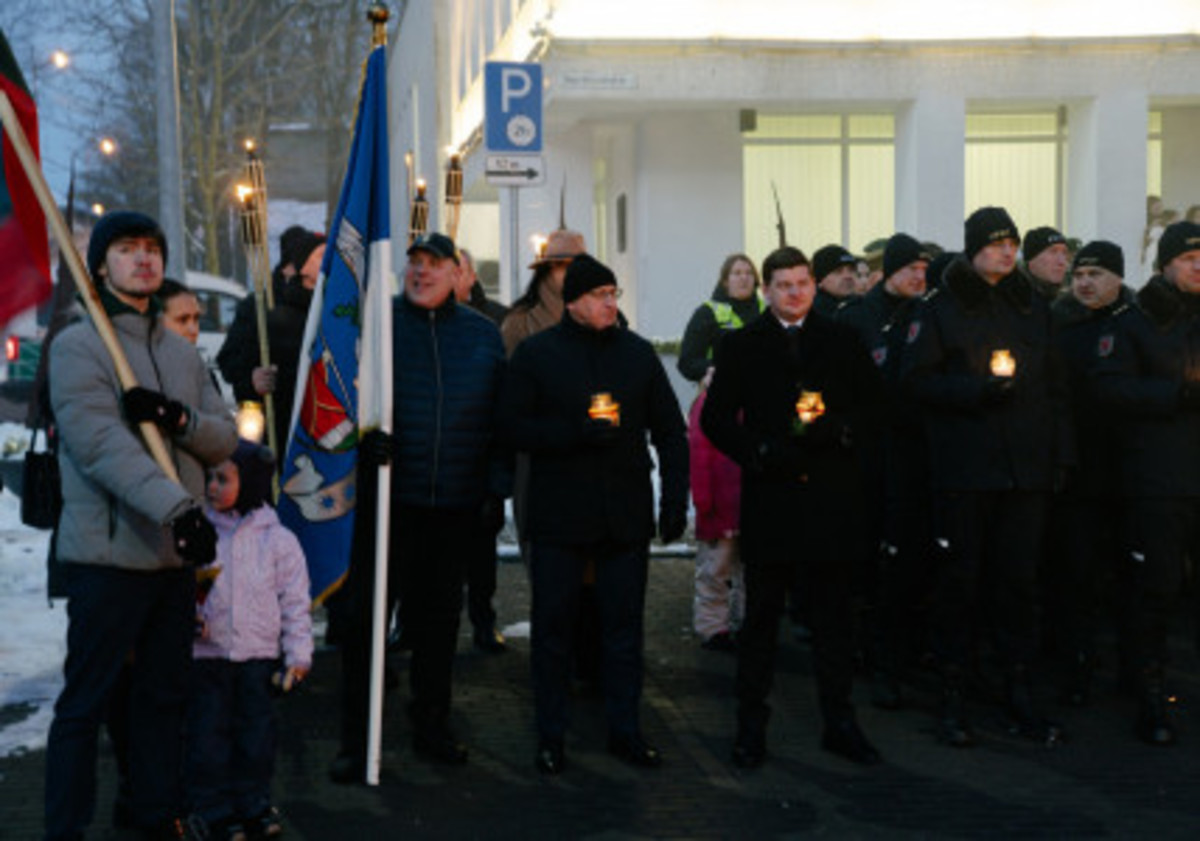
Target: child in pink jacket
716, 495
256, 612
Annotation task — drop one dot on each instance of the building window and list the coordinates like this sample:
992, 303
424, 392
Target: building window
1015, 161
834, 175
1154, 155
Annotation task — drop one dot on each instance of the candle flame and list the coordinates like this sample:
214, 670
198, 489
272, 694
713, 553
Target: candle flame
1003, 364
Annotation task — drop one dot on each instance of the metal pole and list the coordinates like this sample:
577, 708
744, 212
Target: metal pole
170, 170
514, 241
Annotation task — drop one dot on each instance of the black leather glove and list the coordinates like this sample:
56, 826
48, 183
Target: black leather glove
827, 433
598, 432
671, 525
1189, 396
491, 514
195, 538
785, 459
143, 404
998, 390
1062, 478
377, 448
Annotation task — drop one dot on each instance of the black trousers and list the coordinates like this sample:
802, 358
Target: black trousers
481, 579
1159, 535
112, 612
557, 572
821, 557
1086, 550
427, 552
990, 544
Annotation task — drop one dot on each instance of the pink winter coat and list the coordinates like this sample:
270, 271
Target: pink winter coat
716, 483
259, 603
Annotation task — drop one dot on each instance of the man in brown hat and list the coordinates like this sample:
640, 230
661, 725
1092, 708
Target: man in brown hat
542, 306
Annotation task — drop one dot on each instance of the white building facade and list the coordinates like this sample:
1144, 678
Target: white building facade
671, 125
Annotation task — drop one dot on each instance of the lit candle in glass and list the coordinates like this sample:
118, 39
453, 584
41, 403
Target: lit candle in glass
810, 406
250, 420
604, 408
1003, 363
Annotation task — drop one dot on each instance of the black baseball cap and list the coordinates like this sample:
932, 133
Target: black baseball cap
439, 245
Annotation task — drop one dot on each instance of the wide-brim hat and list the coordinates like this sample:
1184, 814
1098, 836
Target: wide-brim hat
561, 246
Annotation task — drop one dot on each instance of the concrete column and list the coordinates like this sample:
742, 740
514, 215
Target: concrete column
1106, 172
930, 167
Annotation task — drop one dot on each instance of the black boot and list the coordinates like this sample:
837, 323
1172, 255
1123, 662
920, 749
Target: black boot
1154, 716
1023, 720
1078, 689
953, 728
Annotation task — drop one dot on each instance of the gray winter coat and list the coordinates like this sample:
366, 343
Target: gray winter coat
117, 503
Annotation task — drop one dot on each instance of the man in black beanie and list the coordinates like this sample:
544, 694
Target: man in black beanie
836, 272
580, 399
1085, 519
1147, 375
301, 253
129, 535
1046, 261
895, 474
980, 360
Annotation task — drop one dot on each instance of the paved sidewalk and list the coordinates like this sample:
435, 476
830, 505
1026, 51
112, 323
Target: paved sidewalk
1102, 784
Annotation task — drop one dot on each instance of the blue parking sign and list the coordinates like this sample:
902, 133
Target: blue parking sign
513, 106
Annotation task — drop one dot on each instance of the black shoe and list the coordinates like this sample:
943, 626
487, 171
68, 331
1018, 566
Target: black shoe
1078, 689
749, 748
266, 824
1023, 720
952, 727
550, 758
438, 744
845, 739
1154, 717
189, 828
885, 691
348, 769
722, 641
230, 829
634, 750
490, 640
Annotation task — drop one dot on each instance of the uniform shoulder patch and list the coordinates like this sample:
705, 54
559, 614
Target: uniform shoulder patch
1105, 346
879, 355
914, 330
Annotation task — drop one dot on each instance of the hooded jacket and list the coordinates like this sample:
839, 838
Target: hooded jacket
117, 502
258, 606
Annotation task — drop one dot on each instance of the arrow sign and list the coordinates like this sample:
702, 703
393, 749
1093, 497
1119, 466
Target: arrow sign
515, 170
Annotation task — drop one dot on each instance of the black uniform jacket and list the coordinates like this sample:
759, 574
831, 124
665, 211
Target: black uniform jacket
1017, 444
578, 492
1156, 347
750, 415
1086, 338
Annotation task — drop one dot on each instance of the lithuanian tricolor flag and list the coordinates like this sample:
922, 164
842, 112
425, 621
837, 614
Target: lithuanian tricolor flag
24, 252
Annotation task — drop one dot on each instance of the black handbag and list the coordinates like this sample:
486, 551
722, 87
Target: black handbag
41, 484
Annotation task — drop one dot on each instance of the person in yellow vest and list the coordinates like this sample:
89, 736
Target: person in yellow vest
716, 480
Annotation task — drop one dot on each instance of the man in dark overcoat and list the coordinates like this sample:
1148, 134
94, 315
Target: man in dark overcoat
580, 399
981, 361
793, 394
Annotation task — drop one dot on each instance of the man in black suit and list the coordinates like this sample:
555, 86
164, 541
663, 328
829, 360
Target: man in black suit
801, 493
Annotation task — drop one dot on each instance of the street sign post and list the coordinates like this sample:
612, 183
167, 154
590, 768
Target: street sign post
513, 139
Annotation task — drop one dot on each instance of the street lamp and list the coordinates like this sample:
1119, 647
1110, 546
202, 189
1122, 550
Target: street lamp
60, 59
107, 146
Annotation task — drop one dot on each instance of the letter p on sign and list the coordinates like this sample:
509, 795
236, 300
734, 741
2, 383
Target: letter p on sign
513, 106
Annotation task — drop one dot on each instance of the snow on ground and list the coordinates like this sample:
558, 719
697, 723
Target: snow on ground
32, 632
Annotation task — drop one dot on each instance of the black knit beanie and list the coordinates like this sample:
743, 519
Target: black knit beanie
1102, 253
1038, 240
901, 250
117, 224
1178, 238
985, 226
584, 274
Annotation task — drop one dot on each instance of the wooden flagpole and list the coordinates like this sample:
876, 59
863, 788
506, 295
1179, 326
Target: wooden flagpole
91, 298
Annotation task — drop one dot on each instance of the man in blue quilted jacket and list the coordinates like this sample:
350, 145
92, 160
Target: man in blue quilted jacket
447, 481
